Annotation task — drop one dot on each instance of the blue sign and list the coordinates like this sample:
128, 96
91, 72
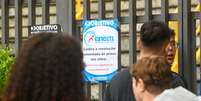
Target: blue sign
100, 49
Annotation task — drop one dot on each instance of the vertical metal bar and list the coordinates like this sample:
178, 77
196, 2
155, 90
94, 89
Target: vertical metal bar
5, 22
101, 9
66, 15
86, 7
186, 59
117, 9
101, 15
87, 91
148, 10
164, 10
78, 33
62, 14
102, 87
200, 48
71, 18
132, 32
45, 11
180, 21
18, 25
31, 13
117, 15
192, 53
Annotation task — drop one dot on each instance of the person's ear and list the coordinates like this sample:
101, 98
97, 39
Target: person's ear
141, 85
139, 43
134, 83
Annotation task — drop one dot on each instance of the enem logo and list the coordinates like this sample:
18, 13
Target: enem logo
91, 37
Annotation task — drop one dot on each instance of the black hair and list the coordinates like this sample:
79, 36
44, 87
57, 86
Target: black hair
154, 33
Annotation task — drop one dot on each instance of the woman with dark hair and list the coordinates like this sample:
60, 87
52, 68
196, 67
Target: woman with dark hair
48, 68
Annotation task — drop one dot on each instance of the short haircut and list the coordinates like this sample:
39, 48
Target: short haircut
154, 33
154, 71
48, 68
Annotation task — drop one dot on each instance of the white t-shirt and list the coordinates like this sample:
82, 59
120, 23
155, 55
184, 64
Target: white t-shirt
177, 94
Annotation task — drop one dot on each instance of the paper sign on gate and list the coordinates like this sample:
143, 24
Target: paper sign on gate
100, 49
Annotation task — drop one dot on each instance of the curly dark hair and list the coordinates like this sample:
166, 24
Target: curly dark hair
48, 68
154, 33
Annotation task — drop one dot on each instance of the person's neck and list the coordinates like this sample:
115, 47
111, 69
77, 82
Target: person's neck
148, 97
147, 53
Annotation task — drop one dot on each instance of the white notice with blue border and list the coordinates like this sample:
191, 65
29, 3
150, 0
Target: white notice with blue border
100, 49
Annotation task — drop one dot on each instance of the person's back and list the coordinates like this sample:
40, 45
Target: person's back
48, 68
154, 38
120, 88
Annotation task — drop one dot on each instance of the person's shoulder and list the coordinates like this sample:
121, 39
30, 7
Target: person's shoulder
122, 75
120, 87
177, 94
122, 78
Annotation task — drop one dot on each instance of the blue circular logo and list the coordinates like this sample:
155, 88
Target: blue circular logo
89, 37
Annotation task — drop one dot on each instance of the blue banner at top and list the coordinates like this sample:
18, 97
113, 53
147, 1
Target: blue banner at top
87, 24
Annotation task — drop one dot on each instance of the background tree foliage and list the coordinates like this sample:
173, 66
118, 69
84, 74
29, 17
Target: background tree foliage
6, 60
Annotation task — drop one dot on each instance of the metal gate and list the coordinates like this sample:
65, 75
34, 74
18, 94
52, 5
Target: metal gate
65, 15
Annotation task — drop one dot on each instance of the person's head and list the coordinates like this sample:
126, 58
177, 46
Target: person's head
151, 75
48, 68
154, 37
171, 48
